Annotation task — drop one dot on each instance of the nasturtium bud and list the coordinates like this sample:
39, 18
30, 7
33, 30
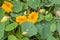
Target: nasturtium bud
24, 33
57, 13
42, 10
4, 19
48, 17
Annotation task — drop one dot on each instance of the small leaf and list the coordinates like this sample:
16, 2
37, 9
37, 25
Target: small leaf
41, 17
25, 38
11, 26
48, 17
53, 27
19, 35
12, 37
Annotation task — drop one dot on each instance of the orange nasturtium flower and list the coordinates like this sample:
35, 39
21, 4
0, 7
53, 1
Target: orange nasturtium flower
21, 19
7, 6
33, 17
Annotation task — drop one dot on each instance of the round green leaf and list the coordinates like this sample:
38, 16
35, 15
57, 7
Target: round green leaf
29, 28
43, 30
48, 17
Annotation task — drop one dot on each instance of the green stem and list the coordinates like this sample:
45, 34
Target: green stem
50, 8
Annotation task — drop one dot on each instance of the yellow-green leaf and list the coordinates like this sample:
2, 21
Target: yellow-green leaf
11, 26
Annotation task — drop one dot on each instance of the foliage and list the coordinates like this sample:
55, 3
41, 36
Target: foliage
29, 19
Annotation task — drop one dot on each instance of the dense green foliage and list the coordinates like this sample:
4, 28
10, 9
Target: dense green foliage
47, 26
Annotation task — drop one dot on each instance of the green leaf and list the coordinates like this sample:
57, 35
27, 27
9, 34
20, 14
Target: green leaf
43, 30
48, 17
39, 28
12, 37
33, 3
1, 1
11, 26
51, 38
19, 35
57, 7
25, 38
2, 13
49, 4
53, 27
15, 15
46, 32
17, 6
41, 17
57, 38
9, 0
29, 28
58, 27
7, 22
2, 39
55, 1
2, 25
